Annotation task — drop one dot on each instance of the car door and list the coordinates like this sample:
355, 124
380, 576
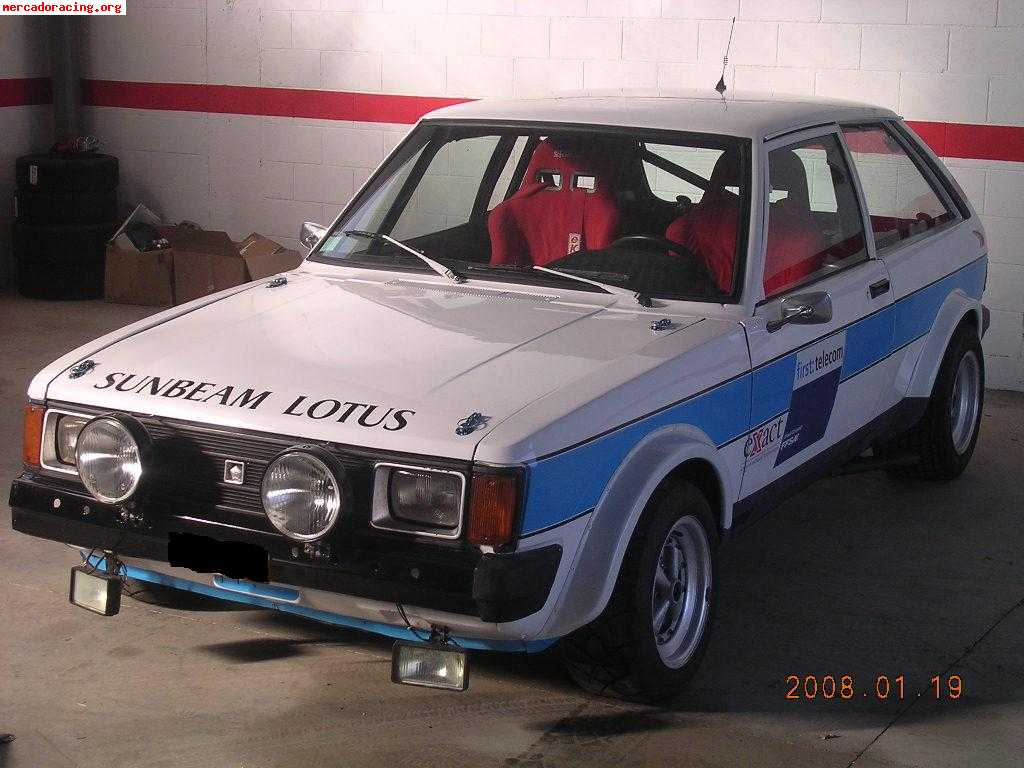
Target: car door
821, 323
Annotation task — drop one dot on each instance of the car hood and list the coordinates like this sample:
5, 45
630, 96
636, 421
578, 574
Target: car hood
384, 363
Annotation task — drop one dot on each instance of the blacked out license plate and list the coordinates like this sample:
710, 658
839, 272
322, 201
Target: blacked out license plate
234, 559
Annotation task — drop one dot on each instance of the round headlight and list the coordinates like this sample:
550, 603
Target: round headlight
108, 454
301, 495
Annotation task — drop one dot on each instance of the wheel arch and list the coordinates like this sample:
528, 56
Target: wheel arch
958, 309
673, 452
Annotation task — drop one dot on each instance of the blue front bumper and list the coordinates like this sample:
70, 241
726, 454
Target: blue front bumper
277, 598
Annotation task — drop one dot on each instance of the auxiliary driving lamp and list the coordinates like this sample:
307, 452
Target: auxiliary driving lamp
95, 590
431, 665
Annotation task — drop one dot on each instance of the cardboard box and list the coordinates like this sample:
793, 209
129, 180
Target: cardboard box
263, 257
134, 276
204, 262
139, 277
199, 262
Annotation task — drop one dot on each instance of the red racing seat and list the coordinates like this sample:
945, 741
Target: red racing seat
566, 203
796, 245
708, 229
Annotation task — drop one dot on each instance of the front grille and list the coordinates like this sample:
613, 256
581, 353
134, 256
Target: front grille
189, 482
189, 494
191, 466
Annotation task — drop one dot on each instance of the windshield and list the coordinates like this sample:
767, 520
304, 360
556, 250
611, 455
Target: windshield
661, 215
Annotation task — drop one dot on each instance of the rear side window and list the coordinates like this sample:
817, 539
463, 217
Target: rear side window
902, 201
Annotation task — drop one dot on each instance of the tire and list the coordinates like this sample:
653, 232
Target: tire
65, 262
945, 438
58, 208
52, 172
618, 653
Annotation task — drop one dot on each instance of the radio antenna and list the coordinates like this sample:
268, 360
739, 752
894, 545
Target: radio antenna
725, 61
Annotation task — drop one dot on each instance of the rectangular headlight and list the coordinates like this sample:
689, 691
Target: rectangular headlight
60, 436
68, 428
418, 500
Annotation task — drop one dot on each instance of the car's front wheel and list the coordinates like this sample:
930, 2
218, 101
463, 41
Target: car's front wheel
651, 636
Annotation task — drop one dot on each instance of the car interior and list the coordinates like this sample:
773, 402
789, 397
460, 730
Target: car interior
586, 204
583, 204
874, 147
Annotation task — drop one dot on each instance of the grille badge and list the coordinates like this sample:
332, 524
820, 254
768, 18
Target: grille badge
234, 472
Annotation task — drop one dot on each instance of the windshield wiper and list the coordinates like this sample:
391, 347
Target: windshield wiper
641, 299
437, 266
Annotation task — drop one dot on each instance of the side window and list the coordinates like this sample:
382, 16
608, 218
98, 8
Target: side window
814, 221
901, 201
445, 196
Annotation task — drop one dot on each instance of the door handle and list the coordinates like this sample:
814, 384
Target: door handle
877, 289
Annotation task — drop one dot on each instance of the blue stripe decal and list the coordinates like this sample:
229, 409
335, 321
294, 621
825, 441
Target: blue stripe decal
916, 313
378, 628
867, 342
562, 485
773, 383
565, 483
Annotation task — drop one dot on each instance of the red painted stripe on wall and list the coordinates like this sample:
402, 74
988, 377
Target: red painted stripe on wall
25, 91
980, 142
270, 102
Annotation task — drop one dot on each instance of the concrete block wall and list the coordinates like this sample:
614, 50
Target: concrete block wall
941, 61
25, 124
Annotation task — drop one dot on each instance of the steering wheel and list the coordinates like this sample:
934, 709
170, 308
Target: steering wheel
671, 255
652, 241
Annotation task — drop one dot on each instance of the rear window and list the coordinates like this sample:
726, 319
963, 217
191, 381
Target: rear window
671, 186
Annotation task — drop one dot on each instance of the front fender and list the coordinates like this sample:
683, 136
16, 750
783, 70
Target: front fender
610, 527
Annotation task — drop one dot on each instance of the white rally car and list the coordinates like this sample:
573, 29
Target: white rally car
522, 388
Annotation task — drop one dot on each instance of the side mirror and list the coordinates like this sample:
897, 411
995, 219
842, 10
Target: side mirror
803, 309
310, 234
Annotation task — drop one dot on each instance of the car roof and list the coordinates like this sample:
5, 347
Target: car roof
754, 116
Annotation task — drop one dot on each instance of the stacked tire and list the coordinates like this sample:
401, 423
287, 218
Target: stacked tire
65, 211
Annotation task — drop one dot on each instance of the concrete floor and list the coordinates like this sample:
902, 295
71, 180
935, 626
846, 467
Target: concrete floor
860, 575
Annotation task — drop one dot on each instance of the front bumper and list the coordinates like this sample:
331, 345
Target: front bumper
482, 599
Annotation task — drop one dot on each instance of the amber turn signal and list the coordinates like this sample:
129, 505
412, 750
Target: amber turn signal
492, 509
32, 434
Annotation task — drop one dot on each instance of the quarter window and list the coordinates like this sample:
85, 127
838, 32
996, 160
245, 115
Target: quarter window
901, 201
814, 221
